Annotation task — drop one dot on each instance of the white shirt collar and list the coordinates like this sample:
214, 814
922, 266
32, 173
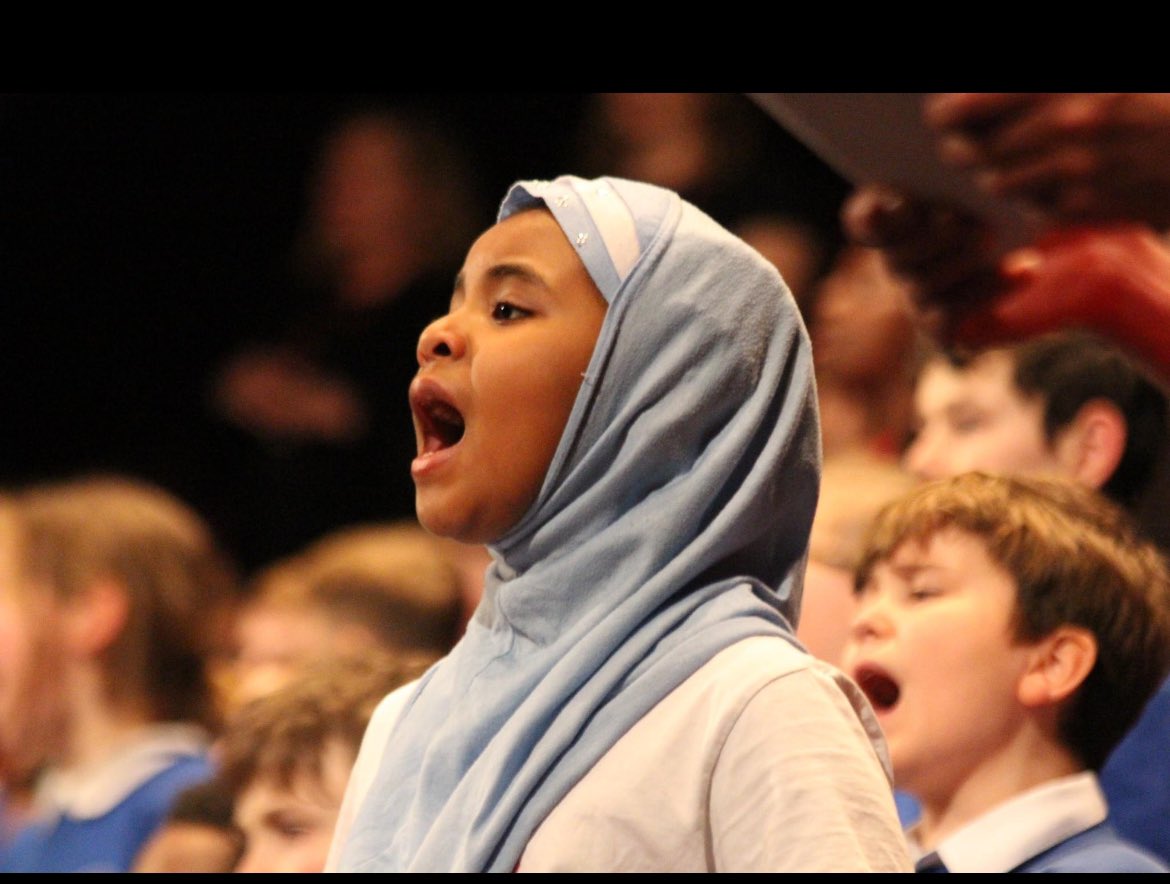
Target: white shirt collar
1024, 826
94, 790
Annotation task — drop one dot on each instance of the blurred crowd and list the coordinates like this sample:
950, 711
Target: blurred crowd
211, 568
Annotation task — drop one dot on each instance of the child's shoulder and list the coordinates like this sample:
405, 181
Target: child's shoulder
102, 829
1096, 849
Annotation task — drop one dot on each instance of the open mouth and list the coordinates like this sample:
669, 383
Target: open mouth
440, 423
877, 684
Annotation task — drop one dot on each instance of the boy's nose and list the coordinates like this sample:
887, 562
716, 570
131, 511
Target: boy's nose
870, 621
922, 459
441, 339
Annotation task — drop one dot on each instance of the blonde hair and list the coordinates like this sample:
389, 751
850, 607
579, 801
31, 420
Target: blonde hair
855, 485
161, 555
1076, 559
393, 578
284, 734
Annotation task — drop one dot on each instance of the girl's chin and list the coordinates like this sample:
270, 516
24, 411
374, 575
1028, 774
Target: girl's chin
443, 517
444, 520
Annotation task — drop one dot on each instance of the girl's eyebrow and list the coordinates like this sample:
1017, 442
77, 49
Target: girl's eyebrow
506, 271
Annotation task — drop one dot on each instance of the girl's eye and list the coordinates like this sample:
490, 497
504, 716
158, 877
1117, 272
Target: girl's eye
504, 312
919, 593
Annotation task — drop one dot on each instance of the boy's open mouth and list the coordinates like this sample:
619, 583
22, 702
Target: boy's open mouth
440, 423
879, 686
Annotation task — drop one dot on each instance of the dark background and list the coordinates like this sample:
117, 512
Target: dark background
136, 231
139, 232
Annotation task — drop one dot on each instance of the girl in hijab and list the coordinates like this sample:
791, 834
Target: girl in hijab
620, 403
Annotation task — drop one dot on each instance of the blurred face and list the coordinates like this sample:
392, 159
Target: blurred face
498, 377
931, 646
271, 642
795, 249
642, 117
290, 829
862, 326
974, 418
31, 675
188, 847
364, 192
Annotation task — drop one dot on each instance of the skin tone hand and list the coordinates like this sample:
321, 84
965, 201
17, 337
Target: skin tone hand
1095, 158
1068, 277
1078, 156
946, 258
275, 394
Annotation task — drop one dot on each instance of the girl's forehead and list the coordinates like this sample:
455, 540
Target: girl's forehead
608, 221
529, 245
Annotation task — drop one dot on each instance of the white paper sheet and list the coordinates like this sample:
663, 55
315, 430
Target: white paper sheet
880, 138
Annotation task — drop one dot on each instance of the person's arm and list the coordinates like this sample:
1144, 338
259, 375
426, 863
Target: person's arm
800, 787
1114, 280
946, 258
1100, 158
1077, 156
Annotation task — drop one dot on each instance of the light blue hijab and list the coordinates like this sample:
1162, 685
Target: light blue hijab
672, 523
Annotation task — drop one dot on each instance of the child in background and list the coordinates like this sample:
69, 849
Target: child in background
390, 587
1067, 404
198, 835
620, 403
1008, 633
286, 757
866, 348
855, 484
111, 599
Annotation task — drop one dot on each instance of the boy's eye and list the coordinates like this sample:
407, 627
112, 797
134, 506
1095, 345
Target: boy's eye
292, 831
966, 423
502, 311
919, 593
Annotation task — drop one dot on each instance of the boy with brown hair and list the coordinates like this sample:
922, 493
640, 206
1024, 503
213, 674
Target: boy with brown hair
1009, 632
285, 757
379, 586
1067, 403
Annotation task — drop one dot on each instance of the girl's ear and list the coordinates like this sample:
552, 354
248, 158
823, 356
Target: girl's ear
1092, 445
95, 617
1058, 664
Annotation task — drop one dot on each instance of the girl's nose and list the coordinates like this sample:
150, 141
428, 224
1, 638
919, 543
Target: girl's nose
440, 340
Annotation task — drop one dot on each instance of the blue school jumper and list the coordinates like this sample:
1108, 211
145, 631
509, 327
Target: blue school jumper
111, 841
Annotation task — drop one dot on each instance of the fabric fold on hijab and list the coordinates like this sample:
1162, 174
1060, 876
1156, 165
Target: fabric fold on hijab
673, 522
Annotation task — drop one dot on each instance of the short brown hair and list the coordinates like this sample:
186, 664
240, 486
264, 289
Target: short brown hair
392, 578
162, 555
1068, 368
284, 733
1077, 559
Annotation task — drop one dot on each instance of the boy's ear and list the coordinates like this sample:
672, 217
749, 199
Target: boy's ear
95, 617
1092, 445
1058, 665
